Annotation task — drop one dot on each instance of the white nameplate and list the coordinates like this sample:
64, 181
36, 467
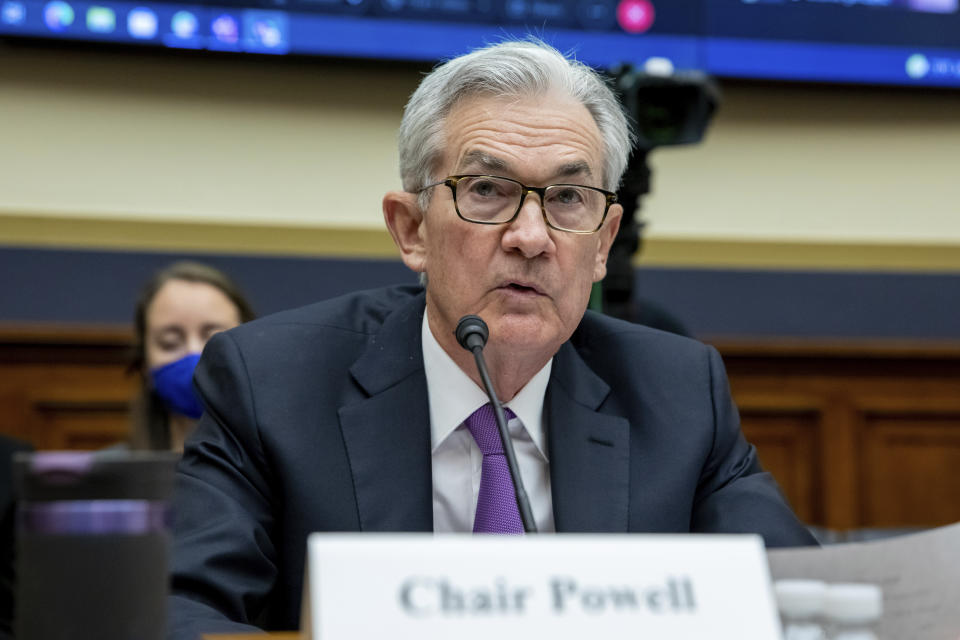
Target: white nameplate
558, 586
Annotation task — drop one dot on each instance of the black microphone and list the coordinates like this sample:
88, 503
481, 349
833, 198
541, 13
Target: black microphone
472, 335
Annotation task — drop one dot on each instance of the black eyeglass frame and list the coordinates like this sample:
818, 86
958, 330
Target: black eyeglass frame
451, 181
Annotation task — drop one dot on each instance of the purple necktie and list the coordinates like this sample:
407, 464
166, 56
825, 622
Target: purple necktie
497, 510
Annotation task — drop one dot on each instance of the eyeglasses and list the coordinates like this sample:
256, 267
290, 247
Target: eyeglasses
494, 200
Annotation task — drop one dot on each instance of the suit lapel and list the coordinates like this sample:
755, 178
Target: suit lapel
387, 434
589, 451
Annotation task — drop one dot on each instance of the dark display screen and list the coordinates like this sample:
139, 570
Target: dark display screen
912, 42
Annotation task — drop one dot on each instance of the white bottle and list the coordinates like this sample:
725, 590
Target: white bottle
853, 611
801, 608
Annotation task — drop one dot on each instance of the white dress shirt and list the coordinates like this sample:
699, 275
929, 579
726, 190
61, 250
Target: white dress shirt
457, 461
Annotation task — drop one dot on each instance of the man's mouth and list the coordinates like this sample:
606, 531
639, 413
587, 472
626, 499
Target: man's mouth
522, 287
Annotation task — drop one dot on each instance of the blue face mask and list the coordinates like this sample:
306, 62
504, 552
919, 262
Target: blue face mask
174, 384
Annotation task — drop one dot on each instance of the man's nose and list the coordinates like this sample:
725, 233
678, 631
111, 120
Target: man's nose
528, 233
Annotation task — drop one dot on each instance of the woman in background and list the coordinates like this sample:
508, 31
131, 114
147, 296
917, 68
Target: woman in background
177, 312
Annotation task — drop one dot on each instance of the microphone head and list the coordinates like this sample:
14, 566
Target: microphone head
472, 332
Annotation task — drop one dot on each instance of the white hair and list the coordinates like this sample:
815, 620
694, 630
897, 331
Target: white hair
514, 69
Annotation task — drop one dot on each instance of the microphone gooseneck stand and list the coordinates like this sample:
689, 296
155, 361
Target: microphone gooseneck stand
472, 335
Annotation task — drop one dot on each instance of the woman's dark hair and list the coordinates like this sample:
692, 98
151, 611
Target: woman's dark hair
150, 419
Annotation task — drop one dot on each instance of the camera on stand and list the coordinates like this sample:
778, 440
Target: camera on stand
668, 108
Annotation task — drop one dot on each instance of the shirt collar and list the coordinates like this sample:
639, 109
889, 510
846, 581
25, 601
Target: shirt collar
453, 396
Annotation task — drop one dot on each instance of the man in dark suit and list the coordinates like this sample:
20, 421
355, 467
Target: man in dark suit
364, 413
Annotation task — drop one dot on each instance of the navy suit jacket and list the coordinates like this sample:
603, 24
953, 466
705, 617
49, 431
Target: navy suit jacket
317, 419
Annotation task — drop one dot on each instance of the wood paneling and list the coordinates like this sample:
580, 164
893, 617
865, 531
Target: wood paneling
911, 467
787, 443
65, 388
858, 435
864, 435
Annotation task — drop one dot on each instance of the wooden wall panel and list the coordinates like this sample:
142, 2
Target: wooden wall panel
65, 388
911, 468
80, 425
857, 436
876, 428
787, 445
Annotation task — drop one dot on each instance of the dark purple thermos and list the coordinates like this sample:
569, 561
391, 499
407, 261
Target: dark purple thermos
93, 535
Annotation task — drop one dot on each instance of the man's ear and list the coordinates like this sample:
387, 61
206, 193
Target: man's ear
606, 235
405, 221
